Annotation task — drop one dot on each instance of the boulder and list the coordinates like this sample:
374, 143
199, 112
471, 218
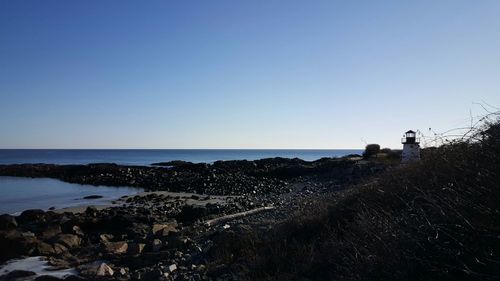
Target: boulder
104, 270
44, 249
116, 247
164, 229
7, 222
33, 215
69, 240
59, 248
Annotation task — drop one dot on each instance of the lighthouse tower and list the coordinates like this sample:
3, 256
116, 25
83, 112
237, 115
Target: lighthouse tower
411, 147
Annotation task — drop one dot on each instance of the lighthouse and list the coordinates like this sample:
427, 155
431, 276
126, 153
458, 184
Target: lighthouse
411, 147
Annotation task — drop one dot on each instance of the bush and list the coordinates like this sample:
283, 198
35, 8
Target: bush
371, 150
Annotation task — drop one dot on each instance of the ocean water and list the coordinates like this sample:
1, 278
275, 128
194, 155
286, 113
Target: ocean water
19, 194
149, 156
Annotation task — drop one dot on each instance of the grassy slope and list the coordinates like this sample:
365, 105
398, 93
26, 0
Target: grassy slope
438, 219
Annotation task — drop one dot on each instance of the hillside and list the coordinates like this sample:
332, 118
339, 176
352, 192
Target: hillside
438, 219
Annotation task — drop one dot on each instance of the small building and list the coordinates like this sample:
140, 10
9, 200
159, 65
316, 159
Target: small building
411, 147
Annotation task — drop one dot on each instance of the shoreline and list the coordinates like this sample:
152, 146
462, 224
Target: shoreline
170, 228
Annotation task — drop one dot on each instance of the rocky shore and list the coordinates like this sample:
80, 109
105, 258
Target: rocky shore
173, 231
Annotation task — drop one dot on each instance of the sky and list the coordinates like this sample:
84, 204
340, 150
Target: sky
242, 74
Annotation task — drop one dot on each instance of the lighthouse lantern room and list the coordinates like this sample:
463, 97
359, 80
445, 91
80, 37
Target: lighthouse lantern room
411, 147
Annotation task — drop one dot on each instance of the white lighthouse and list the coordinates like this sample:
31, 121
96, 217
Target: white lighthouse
411, 147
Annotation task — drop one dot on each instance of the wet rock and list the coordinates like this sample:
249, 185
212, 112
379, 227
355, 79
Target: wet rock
74, 278
17, 274
47, 278
93, 197
7, 222
116, 247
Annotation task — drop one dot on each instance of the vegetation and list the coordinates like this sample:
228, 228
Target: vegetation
371, 150
438, 219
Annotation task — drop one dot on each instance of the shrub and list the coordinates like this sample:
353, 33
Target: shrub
371, 150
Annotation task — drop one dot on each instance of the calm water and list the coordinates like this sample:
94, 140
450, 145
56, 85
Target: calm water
19, 194
149, 156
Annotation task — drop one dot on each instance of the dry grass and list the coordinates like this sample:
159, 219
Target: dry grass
438, 219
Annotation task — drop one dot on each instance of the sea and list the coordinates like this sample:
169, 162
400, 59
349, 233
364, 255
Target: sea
19, 194
150, 156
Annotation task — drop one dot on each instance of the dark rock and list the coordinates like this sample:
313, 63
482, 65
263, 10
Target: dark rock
91, 211
93, 197
74, 278
7, 222
135, 248
51, 231
34, 215
47, 278
13, 275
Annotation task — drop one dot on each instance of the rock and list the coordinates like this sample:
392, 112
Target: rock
15, 274
47, 278
135, 248
104, 270
69, 240
33, 215
91, 211
172, 267
93, 197
44, 249
77, 230
106, 237
116, 247
51, 231
191, 213
74, 278
59, 248
123, 271
164, 229
7, 222
156, 245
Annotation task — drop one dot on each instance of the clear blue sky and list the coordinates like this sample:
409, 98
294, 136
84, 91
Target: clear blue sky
241, 74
